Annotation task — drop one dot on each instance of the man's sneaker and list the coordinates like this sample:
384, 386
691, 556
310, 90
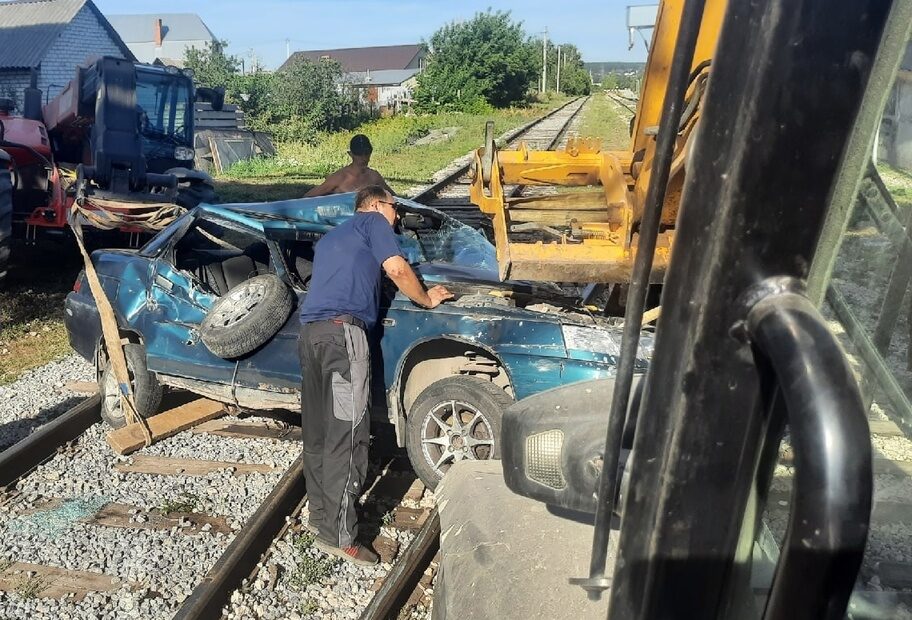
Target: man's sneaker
357, 554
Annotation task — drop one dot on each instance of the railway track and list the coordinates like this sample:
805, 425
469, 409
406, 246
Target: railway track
450, 193
205, 524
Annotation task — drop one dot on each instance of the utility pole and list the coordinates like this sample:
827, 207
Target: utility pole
287, 49
545, 61
558, 68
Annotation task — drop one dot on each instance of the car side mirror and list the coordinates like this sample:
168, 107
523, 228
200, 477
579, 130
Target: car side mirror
552, 443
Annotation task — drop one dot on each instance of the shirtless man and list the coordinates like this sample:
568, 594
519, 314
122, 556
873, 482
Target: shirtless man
355, 175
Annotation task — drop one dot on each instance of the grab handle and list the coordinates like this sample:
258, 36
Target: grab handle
833, 484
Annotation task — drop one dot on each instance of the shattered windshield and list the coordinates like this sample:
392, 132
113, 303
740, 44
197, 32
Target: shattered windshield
163, 101
452, 243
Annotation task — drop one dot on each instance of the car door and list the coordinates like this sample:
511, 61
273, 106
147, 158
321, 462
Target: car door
183, 289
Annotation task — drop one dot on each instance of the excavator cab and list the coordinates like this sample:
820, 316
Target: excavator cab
753, 471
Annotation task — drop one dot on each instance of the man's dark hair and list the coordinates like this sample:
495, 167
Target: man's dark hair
360, 145
366, 194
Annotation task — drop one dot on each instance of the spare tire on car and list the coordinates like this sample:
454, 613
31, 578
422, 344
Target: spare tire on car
247, 316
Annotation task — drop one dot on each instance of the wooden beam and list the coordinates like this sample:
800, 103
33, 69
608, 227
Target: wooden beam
172, 466
53, 581
559, 218
130, 438
886, 428
578, 201
248, 430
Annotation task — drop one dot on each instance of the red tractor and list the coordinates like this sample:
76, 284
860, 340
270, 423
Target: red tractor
118, 134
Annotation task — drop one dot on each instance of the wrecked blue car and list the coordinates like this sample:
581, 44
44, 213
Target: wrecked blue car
208, 306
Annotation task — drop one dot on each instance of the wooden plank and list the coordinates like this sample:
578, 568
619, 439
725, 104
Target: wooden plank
386, 548
410, 518
38, 580
894, 574
205, 106
883, 512
248, 430
558, 218
82, 387
885, 428
578, 201
121, 515
172, 466
226, 124
131, 438
879, 465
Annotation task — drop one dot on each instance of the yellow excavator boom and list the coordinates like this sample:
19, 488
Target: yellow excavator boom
591, 236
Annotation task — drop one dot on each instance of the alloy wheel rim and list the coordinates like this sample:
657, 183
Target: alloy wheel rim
240, 304
455, 431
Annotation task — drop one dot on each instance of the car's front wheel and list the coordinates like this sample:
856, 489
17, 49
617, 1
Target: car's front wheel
147, 391
454, 419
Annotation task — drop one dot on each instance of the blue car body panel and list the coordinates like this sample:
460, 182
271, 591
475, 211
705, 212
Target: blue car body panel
165, 307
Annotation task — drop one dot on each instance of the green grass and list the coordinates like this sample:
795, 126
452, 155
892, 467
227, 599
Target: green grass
310, 569
299, 166
605, 119
32, 587
31, 307
898, 182
187, 502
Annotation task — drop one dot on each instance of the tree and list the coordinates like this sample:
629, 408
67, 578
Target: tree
310, 97
574, 78
212, 66
486, 59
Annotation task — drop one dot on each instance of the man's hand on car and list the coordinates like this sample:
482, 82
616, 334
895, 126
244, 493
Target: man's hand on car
438, 295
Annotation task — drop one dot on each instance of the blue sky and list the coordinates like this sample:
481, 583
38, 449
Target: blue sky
596, 27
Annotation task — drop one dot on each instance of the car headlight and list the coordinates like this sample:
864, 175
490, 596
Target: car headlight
579, 338
606, 342
184, 153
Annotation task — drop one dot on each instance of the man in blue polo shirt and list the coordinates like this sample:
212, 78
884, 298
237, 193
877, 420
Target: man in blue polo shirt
342, 305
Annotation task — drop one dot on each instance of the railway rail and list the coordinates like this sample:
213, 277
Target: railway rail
450, 193
187, 527
192, 526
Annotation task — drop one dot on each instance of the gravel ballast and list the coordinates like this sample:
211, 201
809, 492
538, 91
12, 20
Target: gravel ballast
39, 396
155, 570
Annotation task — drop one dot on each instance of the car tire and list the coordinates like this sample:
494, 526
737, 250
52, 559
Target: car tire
247, 316
147, 391
426, 442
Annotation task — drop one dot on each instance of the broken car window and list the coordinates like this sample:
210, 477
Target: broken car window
451, 242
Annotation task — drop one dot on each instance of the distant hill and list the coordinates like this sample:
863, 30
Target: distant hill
601, 69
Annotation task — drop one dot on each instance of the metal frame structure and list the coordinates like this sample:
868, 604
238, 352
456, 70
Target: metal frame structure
594, 236
788, 79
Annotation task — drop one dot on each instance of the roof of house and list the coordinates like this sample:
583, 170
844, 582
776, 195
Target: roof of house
28, 28
386, 77
378, 58
175, 27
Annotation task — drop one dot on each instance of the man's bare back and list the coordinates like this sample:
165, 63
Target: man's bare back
356, 175
351, 178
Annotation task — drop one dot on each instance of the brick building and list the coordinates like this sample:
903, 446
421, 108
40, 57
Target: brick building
52, 37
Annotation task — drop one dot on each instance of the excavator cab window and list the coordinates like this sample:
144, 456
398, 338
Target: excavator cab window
165, 109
